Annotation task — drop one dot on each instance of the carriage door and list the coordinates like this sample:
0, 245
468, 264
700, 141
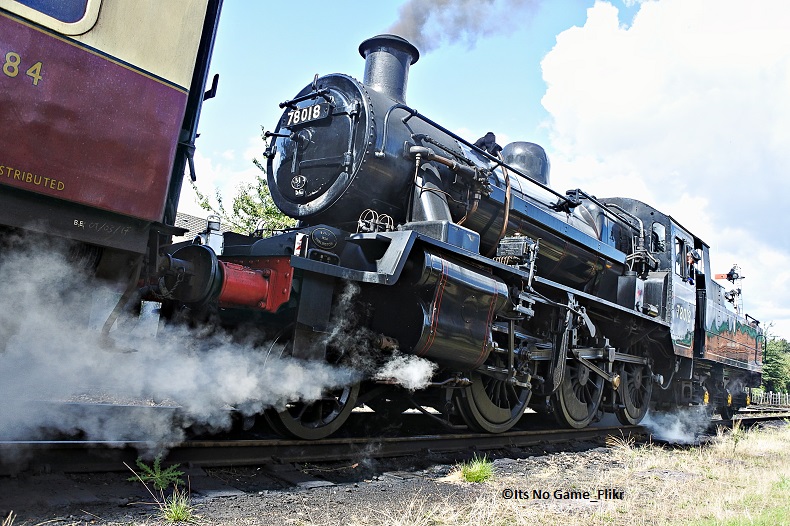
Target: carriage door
684, 295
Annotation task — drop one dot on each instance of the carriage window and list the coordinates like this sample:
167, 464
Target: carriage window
68, 11
70, 17
658, 238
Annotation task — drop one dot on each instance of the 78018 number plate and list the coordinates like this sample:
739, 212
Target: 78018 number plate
307, 114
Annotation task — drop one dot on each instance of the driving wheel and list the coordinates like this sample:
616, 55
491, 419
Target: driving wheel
636, 387
576, 401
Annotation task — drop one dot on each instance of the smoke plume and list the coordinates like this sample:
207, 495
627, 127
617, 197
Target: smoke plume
427, 25
350, 334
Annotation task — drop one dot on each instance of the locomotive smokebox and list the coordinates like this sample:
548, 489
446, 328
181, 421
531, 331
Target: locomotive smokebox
387, 61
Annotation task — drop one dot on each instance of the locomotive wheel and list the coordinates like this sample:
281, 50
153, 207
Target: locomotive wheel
318, 419
726, 412
310, 420
492, 405
636, 388
577, 399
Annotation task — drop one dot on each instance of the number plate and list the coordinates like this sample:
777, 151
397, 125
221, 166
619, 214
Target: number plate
306, 114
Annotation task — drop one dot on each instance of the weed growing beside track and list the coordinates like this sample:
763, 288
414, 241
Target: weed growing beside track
479, 469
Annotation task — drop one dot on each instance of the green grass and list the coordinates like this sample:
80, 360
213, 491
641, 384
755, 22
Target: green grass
771, 508
479, 469
177, 507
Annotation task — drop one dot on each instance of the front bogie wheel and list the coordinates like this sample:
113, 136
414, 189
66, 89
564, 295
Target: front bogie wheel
310, 419
492, 405
316, 419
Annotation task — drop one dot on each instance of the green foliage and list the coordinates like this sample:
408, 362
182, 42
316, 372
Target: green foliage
776, 366
783, 484
160, 478
252, 207
479, 469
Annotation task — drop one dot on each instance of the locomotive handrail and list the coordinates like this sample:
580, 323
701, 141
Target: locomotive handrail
640, 250
641, 228
606, 210
414, 113
323, 92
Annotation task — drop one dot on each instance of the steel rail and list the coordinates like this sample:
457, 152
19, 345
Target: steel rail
95, 456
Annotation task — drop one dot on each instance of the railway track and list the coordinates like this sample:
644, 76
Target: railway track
93, 456
84, 456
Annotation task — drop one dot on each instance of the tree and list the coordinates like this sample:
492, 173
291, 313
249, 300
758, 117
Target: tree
252, 209
776, 366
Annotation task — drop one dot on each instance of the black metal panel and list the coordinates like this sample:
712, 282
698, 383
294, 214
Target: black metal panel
442, 310
48, 215
656, 292
312, 318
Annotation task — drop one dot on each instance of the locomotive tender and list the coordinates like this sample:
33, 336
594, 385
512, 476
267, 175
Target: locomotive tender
409, 237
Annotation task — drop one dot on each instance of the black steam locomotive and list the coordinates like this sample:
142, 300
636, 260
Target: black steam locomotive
465, 256
411, 240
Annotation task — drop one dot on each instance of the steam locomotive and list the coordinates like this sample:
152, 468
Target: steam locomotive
410, 239
523, 296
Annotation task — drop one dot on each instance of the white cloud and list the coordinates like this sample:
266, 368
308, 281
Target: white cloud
686, 109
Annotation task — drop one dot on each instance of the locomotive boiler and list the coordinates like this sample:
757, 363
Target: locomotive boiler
374, 152
522, 296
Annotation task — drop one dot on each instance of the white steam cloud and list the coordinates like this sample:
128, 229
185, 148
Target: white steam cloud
678, 427
429, 24
49, 354
412, 372
51, 351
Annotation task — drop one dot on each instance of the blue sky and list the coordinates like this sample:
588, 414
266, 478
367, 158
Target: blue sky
682, 104
266, 52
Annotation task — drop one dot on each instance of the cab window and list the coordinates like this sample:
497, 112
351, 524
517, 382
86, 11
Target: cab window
658, 237
680, 257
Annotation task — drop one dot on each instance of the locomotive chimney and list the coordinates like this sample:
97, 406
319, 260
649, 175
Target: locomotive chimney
387, 61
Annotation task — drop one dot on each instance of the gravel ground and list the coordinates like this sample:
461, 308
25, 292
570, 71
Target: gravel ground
388, 491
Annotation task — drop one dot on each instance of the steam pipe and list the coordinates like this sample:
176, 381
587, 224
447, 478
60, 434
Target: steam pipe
382, 141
